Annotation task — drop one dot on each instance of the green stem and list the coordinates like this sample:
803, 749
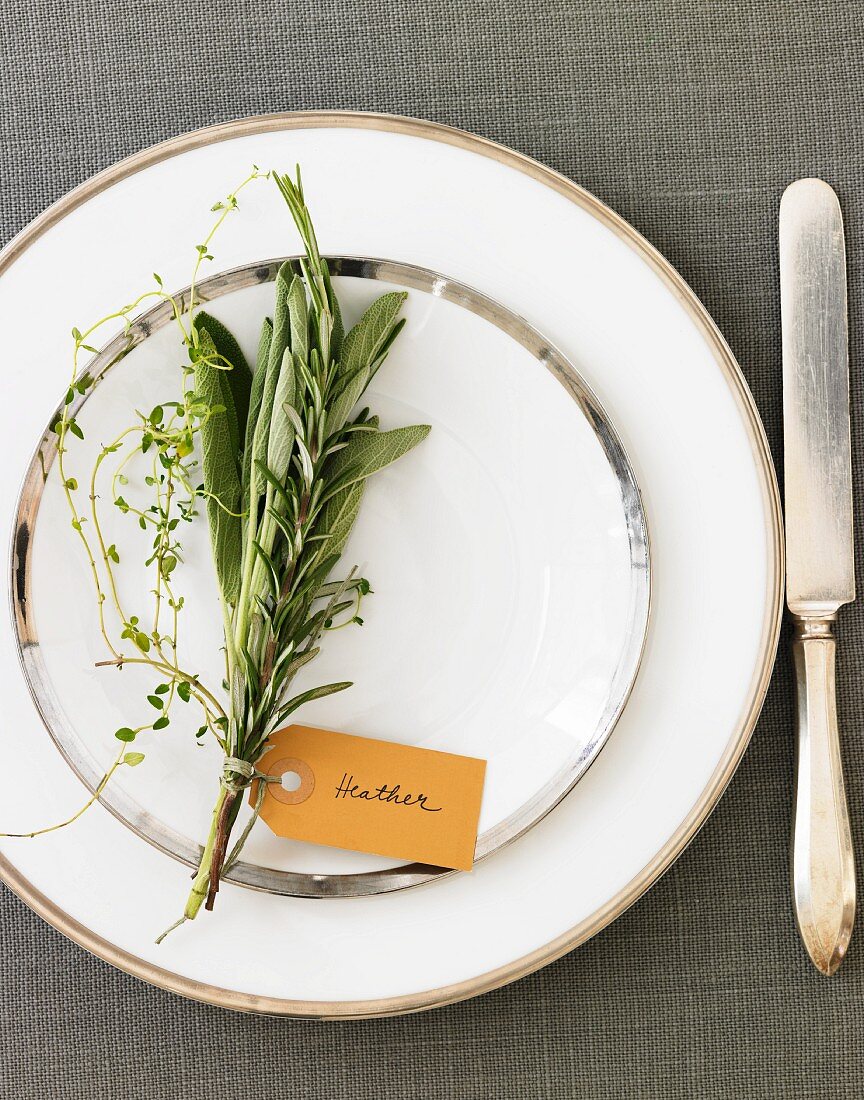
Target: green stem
99, 789
195, 685
202, 877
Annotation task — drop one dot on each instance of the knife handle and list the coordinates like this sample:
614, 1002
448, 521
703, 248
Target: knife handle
823, 866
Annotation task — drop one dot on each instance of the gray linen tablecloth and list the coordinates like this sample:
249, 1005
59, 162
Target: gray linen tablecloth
689, 119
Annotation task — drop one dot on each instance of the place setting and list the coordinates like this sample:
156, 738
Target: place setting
396, 564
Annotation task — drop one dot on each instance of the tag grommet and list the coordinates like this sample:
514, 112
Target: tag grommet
302, 792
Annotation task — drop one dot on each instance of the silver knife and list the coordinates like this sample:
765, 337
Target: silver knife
820, 572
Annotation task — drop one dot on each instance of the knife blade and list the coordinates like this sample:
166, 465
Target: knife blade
820, 572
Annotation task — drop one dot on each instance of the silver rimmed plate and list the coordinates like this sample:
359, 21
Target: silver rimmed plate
509, 562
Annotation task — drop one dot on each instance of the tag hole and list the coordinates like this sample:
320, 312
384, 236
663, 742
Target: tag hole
296, 780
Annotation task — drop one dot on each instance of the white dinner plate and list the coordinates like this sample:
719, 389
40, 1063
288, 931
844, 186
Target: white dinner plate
442, 201
507, 619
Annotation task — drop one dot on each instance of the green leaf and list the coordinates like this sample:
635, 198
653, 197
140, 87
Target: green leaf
282, 522
221, 481
278, 346
255, 406
365, 454
337, 517
125, 734
309, 696
372, 334
280, 439
240, 375
184, 690
155, 701
161, 723
162, 689
384, 350
218, 395
133, 759
272, 575
298, 312
283, 674
369, 452
337, 336
350, 393
333, 587
337, 609
285, 285
278, 488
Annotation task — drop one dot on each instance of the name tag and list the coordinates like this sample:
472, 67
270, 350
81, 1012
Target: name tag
374, 796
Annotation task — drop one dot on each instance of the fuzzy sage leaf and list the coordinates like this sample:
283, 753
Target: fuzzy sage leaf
237, 372
221, 473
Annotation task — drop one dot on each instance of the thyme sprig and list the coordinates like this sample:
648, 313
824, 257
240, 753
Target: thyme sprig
167, 435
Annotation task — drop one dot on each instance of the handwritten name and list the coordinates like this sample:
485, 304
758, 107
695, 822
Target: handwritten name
349, 789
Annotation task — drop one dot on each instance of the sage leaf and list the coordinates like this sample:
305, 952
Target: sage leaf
285, 279
219, 458
298, 313
280, 440
279, 344
369, 452
337, 518
255, 397
224, 399
373, 333
351, 391
239, 376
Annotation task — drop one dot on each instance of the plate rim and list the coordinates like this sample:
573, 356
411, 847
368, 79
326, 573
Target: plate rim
740, 737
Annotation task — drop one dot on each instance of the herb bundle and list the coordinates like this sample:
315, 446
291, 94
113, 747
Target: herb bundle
284, 472
285, 455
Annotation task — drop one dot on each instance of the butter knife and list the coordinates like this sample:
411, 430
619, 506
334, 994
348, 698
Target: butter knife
820, 574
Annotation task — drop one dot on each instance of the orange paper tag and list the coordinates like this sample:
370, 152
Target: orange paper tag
373, 796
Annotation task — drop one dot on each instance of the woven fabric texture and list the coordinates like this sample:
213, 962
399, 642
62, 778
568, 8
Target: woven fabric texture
689, 118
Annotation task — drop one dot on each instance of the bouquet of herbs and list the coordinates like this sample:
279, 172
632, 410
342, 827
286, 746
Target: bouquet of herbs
285, 451
284, 471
